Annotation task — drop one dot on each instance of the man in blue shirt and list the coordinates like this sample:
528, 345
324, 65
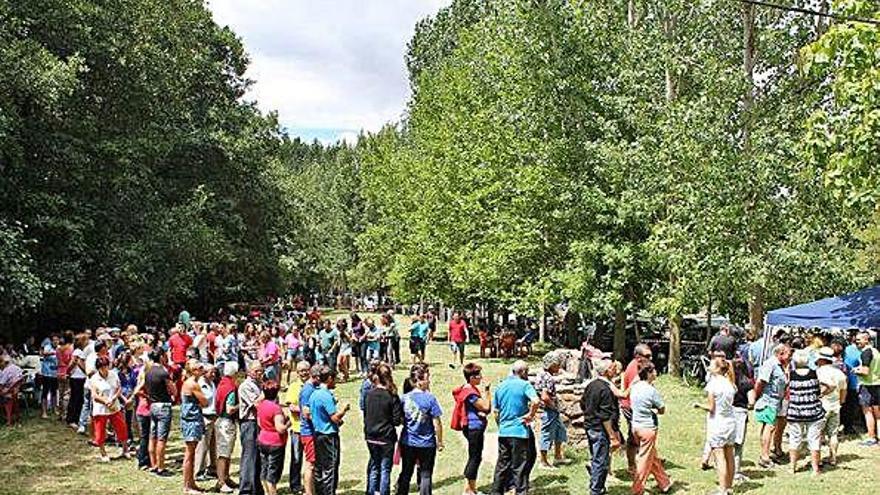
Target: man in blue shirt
306, 430
851, 417
326, 419
515, 403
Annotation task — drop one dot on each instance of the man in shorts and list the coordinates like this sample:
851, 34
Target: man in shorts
833, 382
458, 336
869, 386
307, 429
552, 430
296, 447
226, 431
417, 335
770, 384
160, 389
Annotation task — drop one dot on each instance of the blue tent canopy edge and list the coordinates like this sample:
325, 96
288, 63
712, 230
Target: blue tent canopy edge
859, 309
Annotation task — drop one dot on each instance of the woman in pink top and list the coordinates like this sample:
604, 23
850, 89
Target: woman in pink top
64, 354
272, 439
292, 343
270, 357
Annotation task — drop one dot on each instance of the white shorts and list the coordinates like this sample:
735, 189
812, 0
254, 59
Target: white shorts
721, 432
225, 434
798, 433
742, 421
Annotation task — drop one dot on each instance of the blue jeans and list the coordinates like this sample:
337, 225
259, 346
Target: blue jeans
85, 414
379, 468
296, 458
600, 464
143, 453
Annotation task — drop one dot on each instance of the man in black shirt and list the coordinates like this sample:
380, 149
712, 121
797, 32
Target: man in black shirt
602, 422
723, 342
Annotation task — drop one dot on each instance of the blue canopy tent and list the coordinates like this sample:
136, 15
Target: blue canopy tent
856, 310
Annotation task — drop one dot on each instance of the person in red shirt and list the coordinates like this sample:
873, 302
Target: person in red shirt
641, 354
458, 336
178, 344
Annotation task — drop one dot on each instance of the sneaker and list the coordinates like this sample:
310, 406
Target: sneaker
103, 458
226, 489
741, 478
81, 430
766, 464
202, 477
163, 473
872, 442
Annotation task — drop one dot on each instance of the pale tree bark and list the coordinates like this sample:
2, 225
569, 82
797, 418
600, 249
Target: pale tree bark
542, 331
671, 80
756, 291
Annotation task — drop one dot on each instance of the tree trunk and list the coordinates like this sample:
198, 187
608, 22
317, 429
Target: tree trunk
619, 333
541, 323
571, 328
756, 293
675, 345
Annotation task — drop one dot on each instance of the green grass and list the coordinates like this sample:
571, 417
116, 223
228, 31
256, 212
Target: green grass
46, 457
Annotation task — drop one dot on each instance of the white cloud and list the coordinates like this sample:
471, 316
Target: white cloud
328, 64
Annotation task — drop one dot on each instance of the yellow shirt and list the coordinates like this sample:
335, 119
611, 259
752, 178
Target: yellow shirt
292, 397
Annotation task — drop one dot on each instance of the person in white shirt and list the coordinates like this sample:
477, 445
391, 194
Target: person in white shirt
206, 450
106, 391
721, 424
834, 384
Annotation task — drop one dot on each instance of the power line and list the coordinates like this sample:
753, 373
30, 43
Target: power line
801, 10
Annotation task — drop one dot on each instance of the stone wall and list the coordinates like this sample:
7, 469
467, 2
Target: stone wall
569, 390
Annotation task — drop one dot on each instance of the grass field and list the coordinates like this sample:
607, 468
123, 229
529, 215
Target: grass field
46, 457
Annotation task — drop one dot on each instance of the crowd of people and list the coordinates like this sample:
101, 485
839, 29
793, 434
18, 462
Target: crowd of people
123, 384
807, 388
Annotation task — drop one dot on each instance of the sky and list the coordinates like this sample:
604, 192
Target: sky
330, 68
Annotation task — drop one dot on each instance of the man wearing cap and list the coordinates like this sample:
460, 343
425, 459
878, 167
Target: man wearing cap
602, 422
833, 382
868, 374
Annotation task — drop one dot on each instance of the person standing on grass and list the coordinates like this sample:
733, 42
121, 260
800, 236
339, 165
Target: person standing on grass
65, 356
552, 430
329, 344
142, 412
291, 399
805, 414
647, 404
834, 386
77, 380
770, 384
269, 355
868, 373
721, 423
343, 360
458, 336
307, 430
272, 439
476, 411
293, 345
192, 422
641, 356
743, 400
602, 423
225, 430
383, 412
372, 338
422, 434
326, 419
249, 394
392, 333
418, 333
851, 415
515, 404
49, 376
105, 392
206, 451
